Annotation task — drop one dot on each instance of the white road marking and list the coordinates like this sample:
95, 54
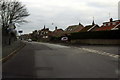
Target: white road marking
100, 52
85, 49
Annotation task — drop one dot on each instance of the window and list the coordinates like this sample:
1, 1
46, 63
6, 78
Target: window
46, 36
104, 24
108, 24
42, 33
114, 23
68, 29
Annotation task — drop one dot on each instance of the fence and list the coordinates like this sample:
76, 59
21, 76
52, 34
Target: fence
95, 37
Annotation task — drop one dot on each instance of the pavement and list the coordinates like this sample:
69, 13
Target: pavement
104, 49
6, 50
45, 60
11, 52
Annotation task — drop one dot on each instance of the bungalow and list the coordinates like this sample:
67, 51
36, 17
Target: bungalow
88, 28
57, 32
74, 28
111, 25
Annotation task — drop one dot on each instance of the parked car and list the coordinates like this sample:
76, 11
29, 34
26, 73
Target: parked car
29, 40
64, 38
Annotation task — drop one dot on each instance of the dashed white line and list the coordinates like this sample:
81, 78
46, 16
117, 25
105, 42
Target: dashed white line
101, 52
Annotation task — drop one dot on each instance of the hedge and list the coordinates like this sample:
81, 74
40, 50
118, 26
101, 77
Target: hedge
113, 34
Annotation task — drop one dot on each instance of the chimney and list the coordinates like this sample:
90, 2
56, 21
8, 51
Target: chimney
93, 23
111, 19
56, 28
44, 27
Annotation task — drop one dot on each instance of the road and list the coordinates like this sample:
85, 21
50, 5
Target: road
44, 60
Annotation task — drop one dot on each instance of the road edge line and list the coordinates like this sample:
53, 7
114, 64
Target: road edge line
101, 52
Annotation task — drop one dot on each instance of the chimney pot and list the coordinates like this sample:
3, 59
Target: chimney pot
111, 19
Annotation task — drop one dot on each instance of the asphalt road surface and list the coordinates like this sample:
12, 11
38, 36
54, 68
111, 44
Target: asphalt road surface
44, 60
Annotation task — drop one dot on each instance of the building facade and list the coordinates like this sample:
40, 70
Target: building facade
44, 34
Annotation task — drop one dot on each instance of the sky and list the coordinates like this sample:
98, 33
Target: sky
64, 13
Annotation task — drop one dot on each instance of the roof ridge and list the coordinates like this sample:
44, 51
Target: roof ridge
115, 26
92, 27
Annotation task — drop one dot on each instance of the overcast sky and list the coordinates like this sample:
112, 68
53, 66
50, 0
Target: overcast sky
67, 12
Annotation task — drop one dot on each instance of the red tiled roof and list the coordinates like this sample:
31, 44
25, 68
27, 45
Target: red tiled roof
103, 28
57, 32
113, 21
108, 27
90, 28
86, 28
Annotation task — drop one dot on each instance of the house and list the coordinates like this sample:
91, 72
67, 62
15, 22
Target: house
44, 34
57, 32
117, 27
34, 35
26, 36
74, 28
92, 27
111, 25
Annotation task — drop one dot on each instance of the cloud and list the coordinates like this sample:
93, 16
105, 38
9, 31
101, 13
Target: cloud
67, 12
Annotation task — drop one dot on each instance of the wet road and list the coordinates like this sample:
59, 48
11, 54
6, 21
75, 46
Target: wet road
44, 60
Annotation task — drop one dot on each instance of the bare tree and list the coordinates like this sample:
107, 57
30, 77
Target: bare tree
12, 11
